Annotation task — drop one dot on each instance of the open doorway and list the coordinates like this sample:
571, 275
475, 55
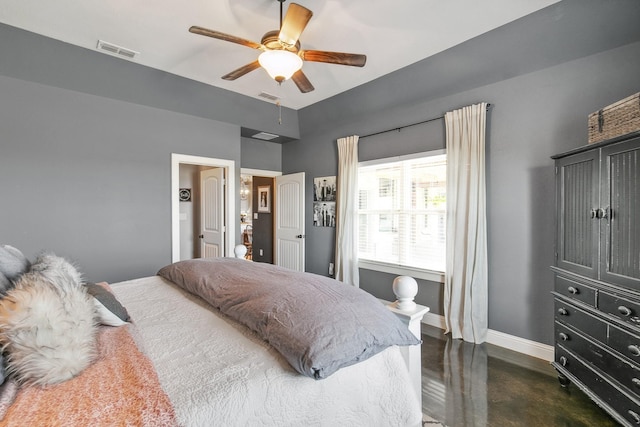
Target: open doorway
228, 197
257, 214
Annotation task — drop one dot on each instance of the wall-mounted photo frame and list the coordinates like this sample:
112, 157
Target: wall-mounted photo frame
324, 189
324, 201
324, 214
264, 199
185, 194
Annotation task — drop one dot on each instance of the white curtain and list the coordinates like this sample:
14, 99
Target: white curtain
346, 263
465, 290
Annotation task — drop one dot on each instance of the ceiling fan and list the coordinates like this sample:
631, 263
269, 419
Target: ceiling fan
282, 56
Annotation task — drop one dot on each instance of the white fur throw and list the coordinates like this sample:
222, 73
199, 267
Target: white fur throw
47, 327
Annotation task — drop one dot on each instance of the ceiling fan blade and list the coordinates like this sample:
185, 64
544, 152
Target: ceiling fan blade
226, 37
294, 23
242, 71
301, 80
352, 59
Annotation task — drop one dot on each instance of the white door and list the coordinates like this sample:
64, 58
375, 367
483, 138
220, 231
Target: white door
212, 213
289, 221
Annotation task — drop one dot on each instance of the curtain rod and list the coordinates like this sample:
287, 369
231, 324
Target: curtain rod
412, 124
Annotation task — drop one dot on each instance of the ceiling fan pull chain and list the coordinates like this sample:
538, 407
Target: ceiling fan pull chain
279, 112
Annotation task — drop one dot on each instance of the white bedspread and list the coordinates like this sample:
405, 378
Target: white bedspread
218, 373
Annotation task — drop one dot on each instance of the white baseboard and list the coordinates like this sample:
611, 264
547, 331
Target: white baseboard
435, 320
511, 342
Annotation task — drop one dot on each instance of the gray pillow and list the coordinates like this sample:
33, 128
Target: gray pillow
317, 323
13, 263
109, 310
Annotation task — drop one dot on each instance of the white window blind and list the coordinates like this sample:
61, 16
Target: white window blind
402, 212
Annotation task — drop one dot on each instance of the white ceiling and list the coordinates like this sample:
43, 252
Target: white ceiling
393, 34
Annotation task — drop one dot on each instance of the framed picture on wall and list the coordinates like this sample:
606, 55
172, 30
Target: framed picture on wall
324, 214
324, 201
324, 189
185, 194
264, 199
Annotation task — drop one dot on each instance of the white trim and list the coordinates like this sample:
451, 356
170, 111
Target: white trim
521, 345
433, 276
230, 203
500, 339
435, 320
259, 172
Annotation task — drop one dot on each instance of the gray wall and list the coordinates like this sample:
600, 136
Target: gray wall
89, 177
31, 57
534, 115
262, 155
85, 151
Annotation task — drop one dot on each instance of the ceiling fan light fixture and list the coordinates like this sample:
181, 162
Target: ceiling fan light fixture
280, 64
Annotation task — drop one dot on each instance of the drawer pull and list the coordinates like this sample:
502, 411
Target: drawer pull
572, 290
636, 417
625, 311
634, 350
563, 361
563, 311
564, 337
636, 382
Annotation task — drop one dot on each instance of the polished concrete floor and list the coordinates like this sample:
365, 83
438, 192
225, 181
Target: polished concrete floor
484, 385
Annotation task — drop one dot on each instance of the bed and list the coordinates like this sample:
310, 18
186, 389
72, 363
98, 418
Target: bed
194, 359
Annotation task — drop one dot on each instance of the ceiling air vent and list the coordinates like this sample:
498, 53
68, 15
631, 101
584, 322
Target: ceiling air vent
268, 96
116, 50
264, 136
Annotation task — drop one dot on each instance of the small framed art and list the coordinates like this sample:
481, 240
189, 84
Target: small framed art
185, 194
264, 199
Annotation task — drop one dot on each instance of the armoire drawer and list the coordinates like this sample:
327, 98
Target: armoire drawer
569, 314
625, 343
623, 371
575, 290
600, 389
622, 308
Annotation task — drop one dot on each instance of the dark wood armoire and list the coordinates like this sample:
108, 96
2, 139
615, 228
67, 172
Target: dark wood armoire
597, 274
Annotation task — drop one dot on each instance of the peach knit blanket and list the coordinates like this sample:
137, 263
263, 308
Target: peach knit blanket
120, 388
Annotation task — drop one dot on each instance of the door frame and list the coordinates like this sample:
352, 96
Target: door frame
259, 172
230, 202
264, 174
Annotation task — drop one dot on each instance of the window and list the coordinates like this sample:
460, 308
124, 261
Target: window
402, 212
